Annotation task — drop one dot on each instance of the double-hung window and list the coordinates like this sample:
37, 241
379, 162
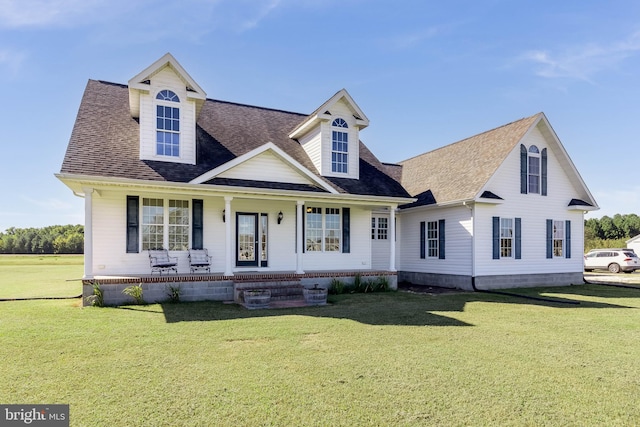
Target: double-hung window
558, 239
323, 229
379, 228
432, 239
165, 224
339, 146
507, 238
167, 124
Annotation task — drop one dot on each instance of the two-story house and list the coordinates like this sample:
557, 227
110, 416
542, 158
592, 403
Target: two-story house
287, 195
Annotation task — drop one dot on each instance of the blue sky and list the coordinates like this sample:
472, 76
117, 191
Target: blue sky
426, 74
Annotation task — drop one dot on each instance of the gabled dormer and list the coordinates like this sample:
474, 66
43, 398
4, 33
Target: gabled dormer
331, 136
167, 101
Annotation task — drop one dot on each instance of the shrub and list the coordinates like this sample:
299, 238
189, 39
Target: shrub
97, 299
336, 287
174, 293
135, 292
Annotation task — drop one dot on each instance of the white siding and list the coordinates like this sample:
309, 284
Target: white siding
167, 79
312, 144
534, 209
458, 231
266, 167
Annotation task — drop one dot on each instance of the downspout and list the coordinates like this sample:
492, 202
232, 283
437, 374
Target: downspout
473, 243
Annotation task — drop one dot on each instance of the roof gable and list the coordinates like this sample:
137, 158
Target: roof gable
140, 83
462, 171
458, 171
324, 113
274, 165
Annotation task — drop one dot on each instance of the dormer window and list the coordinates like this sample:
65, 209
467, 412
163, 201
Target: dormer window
339, 146
167, 124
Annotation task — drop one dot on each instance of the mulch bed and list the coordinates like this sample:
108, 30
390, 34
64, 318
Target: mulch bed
425, 289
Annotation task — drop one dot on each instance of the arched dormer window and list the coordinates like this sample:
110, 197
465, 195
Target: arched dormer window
339, 146
533, 170
167, 124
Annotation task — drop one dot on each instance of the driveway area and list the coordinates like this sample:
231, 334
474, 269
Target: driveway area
604, 277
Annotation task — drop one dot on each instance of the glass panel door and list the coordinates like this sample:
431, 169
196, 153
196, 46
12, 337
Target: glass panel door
263, 239
247, 239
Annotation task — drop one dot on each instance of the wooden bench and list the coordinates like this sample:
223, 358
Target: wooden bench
160, 261
199, 259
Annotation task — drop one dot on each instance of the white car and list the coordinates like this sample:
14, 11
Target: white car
614, 260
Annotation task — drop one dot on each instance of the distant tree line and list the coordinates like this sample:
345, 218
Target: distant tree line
55, 239
608, 232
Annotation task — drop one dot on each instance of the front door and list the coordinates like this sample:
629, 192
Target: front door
251, 239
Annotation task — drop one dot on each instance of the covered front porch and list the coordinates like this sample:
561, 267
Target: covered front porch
221, 287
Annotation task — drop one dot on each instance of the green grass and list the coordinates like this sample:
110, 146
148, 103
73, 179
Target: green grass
392, 359
28, 276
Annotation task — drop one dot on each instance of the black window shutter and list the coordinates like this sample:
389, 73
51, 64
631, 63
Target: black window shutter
543, 172
549, 238
197, 224
518, 240
441, 239
523, 169
133, 209
496, 237
422, 240
346, 230
567, 240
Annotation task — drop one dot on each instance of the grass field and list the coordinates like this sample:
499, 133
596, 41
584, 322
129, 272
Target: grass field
27, 276
388, 359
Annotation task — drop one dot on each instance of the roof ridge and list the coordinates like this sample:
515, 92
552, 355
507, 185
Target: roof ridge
123, 85
470, 137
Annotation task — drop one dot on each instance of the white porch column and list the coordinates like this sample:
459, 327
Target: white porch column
228, 266
88, 233
392, 232
299, 243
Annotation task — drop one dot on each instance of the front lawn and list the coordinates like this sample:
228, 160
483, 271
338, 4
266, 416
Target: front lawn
32, 276
394, 359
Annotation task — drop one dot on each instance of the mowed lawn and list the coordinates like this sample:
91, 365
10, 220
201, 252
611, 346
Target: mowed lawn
27, 276
388, 359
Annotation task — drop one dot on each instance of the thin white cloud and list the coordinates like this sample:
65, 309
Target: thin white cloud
582, 62
50, 204
52, 13
411, 39
263, 11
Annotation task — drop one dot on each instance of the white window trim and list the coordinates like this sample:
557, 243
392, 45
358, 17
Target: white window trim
510, 238
324, 229
165, 222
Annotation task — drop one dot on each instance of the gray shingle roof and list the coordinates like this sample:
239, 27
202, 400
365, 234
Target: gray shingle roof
105, 142
459, 171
